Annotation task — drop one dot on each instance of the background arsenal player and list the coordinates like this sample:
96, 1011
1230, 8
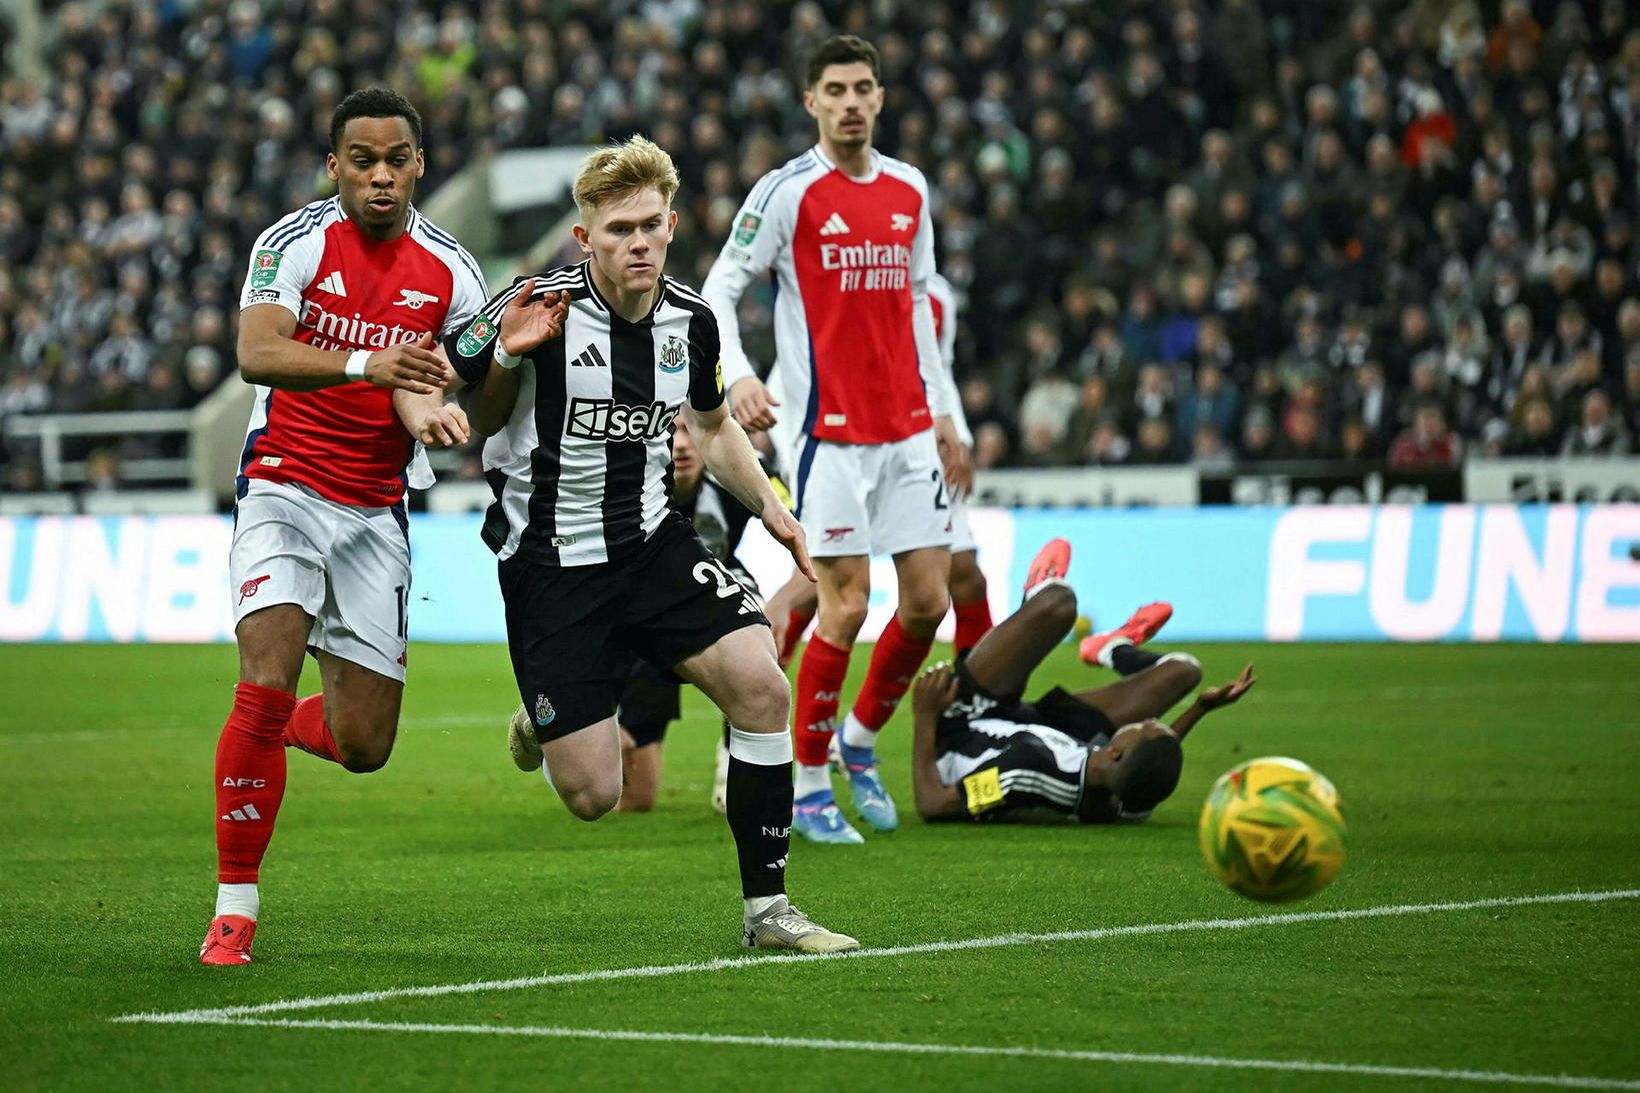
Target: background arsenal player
343, 302
848, 233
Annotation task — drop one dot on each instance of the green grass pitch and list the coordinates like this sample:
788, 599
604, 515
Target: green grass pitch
1467, 772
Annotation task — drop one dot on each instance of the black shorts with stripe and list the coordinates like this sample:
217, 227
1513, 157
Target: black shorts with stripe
575, 633
1056, 708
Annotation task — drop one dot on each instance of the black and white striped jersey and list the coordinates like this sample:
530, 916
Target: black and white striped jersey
583, 469
1002, 765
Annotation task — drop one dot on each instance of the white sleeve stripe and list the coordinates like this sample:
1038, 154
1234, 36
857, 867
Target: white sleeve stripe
563, 280
1042, 785
686, 292
773, 177
793, 170
430, 234
312, 218
289, 221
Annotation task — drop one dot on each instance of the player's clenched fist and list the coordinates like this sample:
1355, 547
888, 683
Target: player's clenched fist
444, 427
412, 366
754, 405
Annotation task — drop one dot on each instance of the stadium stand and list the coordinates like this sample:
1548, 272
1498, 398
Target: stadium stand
1176, 241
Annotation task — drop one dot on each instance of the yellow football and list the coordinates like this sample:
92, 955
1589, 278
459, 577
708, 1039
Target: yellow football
1273, 830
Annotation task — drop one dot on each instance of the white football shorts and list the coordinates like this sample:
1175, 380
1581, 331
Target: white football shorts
962, 535
346, 565
881, 499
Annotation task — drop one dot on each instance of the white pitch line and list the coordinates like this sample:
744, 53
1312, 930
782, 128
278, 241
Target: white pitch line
1566, 1081
217, 1015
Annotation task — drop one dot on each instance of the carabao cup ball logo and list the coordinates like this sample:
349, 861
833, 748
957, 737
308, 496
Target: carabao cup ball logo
1273, 830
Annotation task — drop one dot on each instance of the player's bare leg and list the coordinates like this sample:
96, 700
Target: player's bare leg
790, 610
357, 714
1150, 693
250, 771
640, 774
844, 589
584, 767
1002, 662
739, 673
924, 580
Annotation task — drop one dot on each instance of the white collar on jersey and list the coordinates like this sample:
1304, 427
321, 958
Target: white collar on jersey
871, 174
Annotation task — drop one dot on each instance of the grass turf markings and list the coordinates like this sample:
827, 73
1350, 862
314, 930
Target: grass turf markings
1564, 1081
231, 1014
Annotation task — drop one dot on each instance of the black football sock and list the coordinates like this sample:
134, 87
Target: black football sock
1130, 659
760, 808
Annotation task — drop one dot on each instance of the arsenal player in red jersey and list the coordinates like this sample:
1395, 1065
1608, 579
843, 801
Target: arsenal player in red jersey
876, 454
343, 303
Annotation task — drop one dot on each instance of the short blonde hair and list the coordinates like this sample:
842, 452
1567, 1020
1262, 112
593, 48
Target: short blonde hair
617, 171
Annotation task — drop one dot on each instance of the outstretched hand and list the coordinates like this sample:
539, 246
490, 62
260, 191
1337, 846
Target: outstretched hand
1226, 694
789, 534
526, 323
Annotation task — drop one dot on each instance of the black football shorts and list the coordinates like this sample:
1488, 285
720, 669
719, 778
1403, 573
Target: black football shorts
575, 632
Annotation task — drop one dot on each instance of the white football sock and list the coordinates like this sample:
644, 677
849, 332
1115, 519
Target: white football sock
758, 906
764, 749
1045, 583
811, 780
856, 735
238, 899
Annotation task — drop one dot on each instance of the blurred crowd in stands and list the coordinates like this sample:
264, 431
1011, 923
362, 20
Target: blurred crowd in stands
1203, 232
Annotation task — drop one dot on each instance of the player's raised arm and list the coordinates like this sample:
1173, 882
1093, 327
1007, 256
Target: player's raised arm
1213, 698
750, 249
486, 354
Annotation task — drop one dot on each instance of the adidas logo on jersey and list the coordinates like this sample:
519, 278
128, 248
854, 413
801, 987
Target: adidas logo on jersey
333, 284
591, 358
834, 225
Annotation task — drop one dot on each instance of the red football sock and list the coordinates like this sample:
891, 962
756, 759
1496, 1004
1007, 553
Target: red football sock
307, 730
820, 677
796, 623
973, 623
894, 662
250, 779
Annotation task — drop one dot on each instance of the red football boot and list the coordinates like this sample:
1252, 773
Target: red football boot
1140, 628
1052, 562
228, 941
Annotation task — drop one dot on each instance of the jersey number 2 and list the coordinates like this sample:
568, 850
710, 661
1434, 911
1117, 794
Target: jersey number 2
714, 572
939, 491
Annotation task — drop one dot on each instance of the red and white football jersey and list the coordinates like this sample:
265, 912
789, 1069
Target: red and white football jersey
349, 292
855, 349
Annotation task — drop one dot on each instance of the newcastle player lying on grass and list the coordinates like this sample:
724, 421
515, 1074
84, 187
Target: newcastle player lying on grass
1100, 756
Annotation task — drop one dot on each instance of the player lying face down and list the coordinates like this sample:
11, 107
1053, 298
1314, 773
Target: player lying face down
1099, 756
